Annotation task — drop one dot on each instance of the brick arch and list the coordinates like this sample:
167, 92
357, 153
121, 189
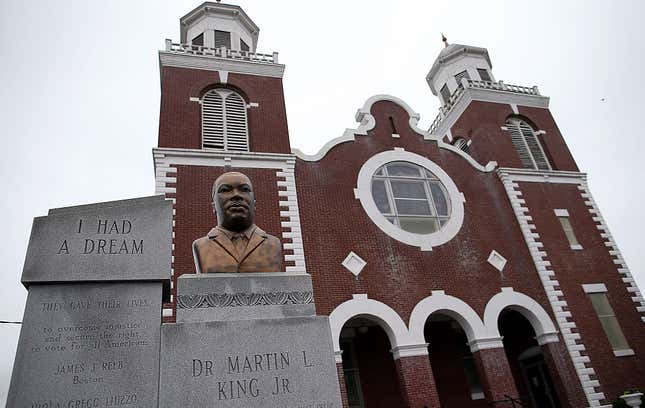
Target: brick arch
360, 306
536, 315
439, 302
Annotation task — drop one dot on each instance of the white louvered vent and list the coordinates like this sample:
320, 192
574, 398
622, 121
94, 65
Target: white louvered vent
224, 124
527, 145
462, 144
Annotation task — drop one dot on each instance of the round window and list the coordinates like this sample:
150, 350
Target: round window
410, 198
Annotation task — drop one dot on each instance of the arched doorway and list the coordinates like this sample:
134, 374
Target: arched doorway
453, 365
530, 372
370, 373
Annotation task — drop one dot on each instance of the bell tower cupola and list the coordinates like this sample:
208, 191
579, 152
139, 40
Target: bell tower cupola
218, 25
457, 63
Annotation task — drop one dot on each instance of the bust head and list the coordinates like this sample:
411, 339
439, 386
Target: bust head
233, 201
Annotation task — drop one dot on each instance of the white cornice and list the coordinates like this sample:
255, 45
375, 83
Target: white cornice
488, 95
217, 158
542, 176
368, 122
209, 63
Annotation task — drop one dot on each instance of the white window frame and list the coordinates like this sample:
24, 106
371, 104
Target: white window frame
595, 288
224, 93
517, 122
424, 241
563, 213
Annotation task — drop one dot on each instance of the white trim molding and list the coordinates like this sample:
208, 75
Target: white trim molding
519, 302
368, 122
385, 316
614, 251
624, 353
409, 350
209, 63
424, 241
485, 344
451, 306
582, 363
594, 288
354, 263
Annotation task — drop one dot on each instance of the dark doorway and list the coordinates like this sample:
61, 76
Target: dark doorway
370, 373
530, 372
456, 377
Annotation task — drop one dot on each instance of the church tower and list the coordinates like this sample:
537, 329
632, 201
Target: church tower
222, 109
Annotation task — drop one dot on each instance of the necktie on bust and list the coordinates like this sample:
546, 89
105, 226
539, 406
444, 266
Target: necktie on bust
240, 241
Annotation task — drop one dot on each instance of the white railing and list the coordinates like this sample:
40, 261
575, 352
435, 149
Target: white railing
475, 84
221, 52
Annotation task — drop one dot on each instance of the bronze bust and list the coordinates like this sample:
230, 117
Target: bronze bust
236, 244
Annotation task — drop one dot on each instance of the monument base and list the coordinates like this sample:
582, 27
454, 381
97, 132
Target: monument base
247, 340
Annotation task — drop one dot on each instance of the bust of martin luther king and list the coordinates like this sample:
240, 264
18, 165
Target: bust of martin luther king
236, 244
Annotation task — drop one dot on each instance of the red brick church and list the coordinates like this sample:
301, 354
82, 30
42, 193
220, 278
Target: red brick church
465, 265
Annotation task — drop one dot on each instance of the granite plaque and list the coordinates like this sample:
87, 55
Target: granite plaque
263, 363
88, 345
234, 296
118, 241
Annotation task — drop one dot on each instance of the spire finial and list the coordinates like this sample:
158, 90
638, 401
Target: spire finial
444, 39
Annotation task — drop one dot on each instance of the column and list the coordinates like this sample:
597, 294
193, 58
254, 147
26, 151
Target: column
417, 383
341, 379
563, 374
495, 375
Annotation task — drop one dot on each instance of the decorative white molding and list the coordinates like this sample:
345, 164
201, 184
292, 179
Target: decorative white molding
368, 122
557, 300
561, 212
209, 63
379, 312
485, 344
496, 260
338, 356
424, 241
543, 176
354, 263
410, 350
624, 353
594, 288
291, 229
223, 76
451, 306
529, 308
486, 95
614, 251
514, 108
546, 338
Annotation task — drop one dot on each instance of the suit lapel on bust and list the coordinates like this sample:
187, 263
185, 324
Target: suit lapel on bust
256, 239
220, 238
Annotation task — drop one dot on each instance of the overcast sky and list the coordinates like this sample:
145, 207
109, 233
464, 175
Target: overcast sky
79, 95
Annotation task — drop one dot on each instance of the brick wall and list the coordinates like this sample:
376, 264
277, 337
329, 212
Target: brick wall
398, 274
593, 264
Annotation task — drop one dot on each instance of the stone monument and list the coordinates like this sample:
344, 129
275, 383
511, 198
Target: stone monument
248, 339
96, 276
246, 334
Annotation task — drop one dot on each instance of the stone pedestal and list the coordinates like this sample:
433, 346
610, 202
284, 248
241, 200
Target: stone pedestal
247, 340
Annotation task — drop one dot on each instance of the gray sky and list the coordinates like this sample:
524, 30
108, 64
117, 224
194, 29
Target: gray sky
79, 96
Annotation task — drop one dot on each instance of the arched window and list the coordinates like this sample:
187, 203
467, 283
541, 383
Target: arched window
527, 145
224, 121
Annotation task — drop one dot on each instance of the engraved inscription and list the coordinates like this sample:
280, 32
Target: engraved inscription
106, 237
